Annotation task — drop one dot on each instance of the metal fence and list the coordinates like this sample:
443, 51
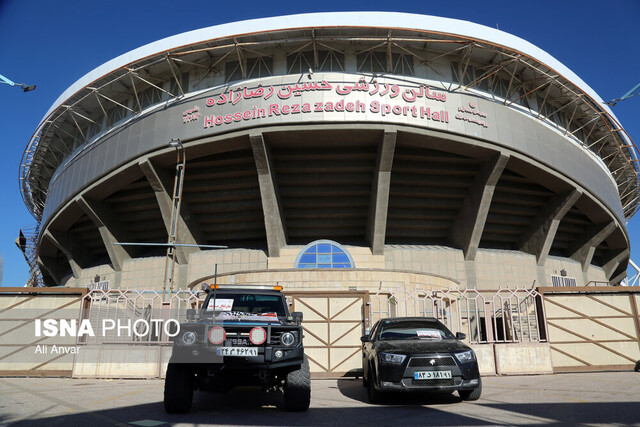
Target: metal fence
135, 316
501, 316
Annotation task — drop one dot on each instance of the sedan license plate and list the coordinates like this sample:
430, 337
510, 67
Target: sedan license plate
431, 375
237, 351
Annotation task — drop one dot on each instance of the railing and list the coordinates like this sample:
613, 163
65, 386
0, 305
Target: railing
134, 316
501, 316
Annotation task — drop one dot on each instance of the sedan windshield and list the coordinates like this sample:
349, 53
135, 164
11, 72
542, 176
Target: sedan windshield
414, 330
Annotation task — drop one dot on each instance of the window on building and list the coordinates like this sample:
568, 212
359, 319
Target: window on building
261, 66
328, 60
324, 254
376, 62
184, 84
151, 95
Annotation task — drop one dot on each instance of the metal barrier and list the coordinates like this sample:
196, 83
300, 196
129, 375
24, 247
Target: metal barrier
137, 316
502, 316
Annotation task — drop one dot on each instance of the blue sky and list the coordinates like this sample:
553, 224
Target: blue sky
53, 44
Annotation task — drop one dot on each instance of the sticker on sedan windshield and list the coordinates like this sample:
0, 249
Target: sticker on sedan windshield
221, 304
429, 333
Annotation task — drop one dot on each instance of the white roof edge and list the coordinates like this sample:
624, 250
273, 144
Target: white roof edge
407, 21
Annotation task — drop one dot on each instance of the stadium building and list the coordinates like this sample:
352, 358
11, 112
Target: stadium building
332, 151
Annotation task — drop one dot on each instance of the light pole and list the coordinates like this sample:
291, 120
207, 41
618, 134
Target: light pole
170, 260
25, 88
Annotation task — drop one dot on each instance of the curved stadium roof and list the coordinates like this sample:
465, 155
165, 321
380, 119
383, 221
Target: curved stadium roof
425, 37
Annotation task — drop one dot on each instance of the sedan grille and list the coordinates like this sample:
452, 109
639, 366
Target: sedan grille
437, 361
450, 382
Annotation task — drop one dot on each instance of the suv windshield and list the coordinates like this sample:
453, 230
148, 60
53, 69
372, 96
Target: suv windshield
244, 303
412, 330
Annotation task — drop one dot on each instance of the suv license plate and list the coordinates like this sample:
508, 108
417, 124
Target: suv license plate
431, 375
237, 351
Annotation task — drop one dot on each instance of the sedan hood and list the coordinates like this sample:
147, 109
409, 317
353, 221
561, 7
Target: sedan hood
421, 346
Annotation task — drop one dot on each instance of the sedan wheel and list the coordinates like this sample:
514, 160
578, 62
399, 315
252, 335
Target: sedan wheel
471, 394
372, 393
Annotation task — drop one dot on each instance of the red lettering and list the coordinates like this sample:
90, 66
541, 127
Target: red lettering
274, 110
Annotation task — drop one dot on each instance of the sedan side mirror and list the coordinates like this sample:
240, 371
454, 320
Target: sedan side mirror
365, 338
460, 336
191, 314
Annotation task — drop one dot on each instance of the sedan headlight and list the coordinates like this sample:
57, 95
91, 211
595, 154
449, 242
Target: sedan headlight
467, 356
392, 358
189, 338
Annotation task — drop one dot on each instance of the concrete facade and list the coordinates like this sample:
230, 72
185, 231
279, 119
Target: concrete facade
414, 163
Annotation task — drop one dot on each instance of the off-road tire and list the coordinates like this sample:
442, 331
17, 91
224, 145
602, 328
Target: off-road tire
178, 389
471, 394
297, 389
373, 394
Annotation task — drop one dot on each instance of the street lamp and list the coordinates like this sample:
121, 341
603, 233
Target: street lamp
25, 88
170, 260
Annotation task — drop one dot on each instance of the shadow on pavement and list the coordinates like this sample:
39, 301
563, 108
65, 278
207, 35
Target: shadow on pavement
353, 389
251, 407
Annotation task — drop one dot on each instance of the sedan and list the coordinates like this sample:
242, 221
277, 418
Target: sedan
418, 354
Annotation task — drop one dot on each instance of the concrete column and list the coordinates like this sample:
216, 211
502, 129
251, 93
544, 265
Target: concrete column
614, 260
71, 248
468, 226
111, 230
539, 236
188, 231
584, 248
274, 223
379, 206
52, 267
619, 277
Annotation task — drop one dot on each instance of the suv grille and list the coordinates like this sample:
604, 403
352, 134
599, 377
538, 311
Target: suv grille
438, 361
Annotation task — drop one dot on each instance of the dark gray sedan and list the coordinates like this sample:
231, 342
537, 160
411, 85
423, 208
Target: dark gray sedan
418, 354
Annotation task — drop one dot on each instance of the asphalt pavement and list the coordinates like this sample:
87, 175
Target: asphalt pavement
601, 398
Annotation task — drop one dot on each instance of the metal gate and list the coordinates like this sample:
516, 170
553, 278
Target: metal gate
333, 324
593, 328
24, 351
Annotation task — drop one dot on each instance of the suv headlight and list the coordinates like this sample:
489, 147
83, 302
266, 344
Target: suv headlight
287, 339
467, 356
392, 358
188, 338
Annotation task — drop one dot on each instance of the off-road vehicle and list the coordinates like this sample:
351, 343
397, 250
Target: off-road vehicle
240, 337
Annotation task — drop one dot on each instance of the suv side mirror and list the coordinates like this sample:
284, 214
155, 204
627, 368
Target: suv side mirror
460, 336
365, 338
297, 317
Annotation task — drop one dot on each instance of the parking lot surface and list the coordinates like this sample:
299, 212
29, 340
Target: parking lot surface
602, 398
